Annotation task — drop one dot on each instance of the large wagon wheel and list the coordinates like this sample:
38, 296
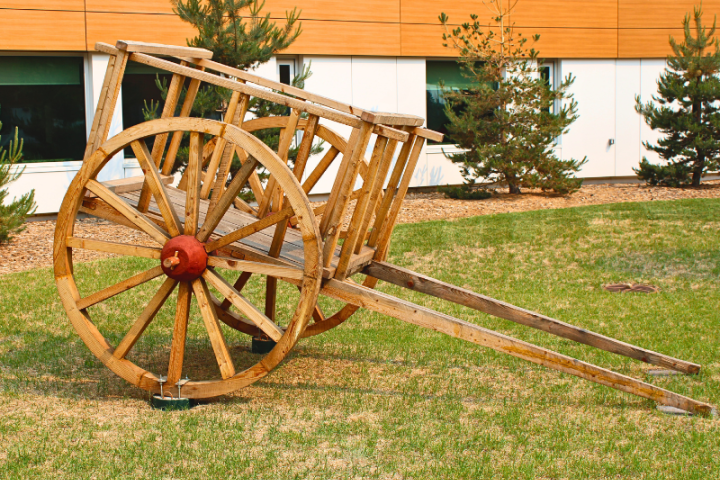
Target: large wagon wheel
183, 258
323, 321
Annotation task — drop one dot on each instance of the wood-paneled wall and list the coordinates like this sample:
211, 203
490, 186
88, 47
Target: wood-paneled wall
567, 28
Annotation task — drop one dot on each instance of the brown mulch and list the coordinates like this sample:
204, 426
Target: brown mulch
33, 247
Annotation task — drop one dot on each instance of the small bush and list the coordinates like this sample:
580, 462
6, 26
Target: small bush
465, 193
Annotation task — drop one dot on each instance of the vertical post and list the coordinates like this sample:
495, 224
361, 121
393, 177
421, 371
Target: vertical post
342, 189
391, 190
354, 233
106, 102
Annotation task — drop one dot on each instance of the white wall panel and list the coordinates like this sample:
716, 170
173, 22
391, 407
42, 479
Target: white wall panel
650, 71
628, 121
594, 90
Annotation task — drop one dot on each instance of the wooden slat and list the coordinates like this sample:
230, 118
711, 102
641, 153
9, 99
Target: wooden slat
159, 49
392, 118
131, 184
119, 287
147, 315
113, 247
129, 212
242, 304
212, 325
177, 348
254, 180
320, 169
156, 187
415, 314
421, 283
255, 267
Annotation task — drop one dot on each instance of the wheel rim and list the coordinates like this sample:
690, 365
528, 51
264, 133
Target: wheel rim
191, 283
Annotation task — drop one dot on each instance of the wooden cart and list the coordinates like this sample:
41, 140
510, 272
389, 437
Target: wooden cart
202, 228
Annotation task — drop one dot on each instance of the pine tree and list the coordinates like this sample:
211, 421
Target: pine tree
688, 111
13, 215
506, 120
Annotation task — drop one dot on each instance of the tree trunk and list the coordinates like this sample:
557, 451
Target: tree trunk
698, 167
513, 188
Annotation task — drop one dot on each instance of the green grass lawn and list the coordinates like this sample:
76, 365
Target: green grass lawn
378, 398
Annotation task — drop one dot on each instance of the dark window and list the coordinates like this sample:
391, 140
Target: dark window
447, 71
45, 98
285, 74
139, 89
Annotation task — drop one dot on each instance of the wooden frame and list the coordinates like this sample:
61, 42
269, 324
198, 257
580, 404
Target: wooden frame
280, 237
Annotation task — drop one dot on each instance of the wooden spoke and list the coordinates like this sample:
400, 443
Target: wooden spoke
256, 267
213, 218
193, 172
156, 187
320, 169
243, 206
254, 180
239, 285
145, 318
212, 325
113, 247
241, 303
248, 230
119, 287
177, 350
142, 222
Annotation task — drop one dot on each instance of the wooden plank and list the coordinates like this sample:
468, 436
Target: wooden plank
131, 184
320, 169
119, 287
193, 172
129, 212
241, 303
256, 267
156, 186
424, 284
177, 348
212, 325
428, 134
160, 49
248, 230
424, 317
147, 316
108, 27
113, 247
392, 118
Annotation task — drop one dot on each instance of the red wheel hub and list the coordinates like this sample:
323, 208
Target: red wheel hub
183, 258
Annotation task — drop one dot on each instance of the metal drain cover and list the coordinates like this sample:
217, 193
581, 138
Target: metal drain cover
631, 287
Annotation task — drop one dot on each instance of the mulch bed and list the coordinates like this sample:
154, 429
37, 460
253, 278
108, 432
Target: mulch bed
33, 247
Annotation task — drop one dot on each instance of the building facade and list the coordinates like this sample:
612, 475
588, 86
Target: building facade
384, 55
